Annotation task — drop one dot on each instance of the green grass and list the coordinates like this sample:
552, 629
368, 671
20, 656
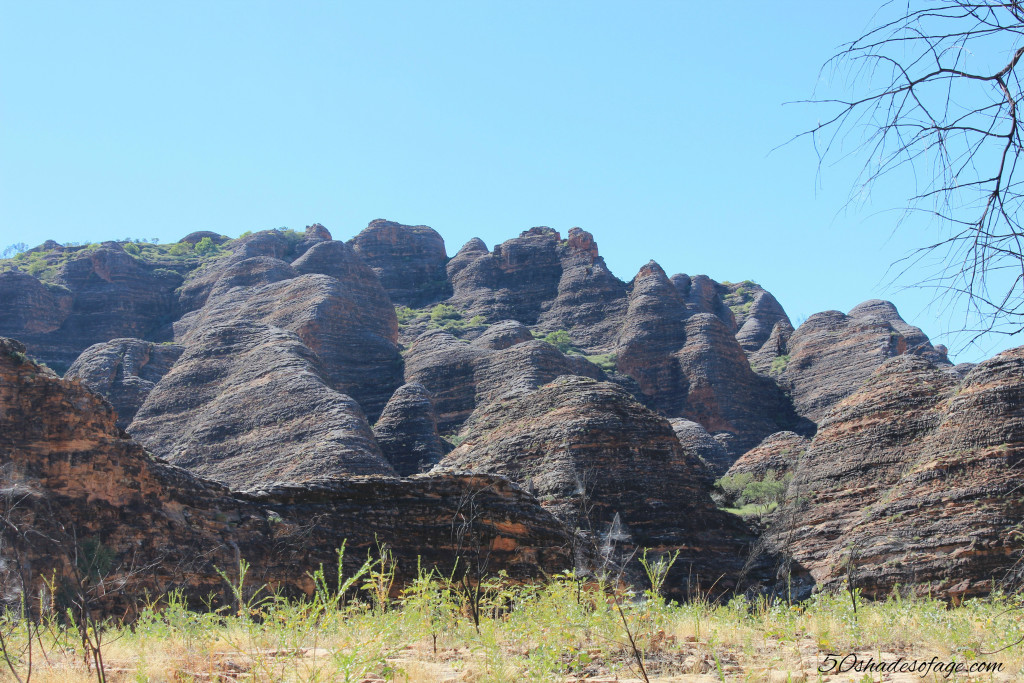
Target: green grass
779, 364
605, 361
361, 627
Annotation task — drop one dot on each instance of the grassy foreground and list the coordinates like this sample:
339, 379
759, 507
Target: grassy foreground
564, 630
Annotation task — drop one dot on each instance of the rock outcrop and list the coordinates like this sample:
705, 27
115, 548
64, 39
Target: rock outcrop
724, 394
778, 453
653, 331
407, 431
331, 299
248, 405
512, 282
590, 302
84, 490
503, 334
97, 294
698, 443
831, 354
913, 480
124, 371
410, 261
462, 376
603, 463
688, 364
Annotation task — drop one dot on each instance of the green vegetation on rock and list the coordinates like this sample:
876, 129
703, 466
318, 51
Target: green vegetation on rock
779, 364
739, 490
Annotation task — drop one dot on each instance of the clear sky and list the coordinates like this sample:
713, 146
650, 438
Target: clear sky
650, 124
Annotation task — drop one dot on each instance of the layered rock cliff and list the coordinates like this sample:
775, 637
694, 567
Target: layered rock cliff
79, 493
831, 354
603, 463
913, 480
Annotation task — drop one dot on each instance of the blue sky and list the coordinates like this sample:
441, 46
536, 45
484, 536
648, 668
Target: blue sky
650, 124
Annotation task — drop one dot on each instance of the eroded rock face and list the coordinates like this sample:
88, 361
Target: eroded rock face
603, 463
688, 364
503, 334
914, 478
757, 314
81, 482
197, 286
462, 376
778, 453
724, 393
590, 302
330, 299
248, 404
654, 329
698, 443
407, 431
124, 371
97, 295
512, 282
410, 261
831, 354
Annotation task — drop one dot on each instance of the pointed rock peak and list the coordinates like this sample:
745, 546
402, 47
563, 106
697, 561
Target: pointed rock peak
582, 241
878, 309
317, 232
651, 270
540, 230
475, 245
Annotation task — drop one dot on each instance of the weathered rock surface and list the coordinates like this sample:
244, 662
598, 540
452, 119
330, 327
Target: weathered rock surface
698, 443
688, 364
831, 354
704, 295
331, 299
462, 375
407, 431
653, 331
85, 488
247, 404
503, 334
124, 371
97, 294
773, 356
512, 282
757, 313
410, 261
197, 286
779, 453
724, 394
603, 463
914, 479
590, 302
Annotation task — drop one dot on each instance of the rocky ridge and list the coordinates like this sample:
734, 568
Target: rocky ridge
84, 489
913, 480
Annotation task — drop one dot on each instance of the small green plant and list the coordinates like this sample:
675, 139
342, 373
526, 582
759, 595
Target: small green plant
206, 247
450, 319
779, 364
561, 340
605, 361
406, 315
